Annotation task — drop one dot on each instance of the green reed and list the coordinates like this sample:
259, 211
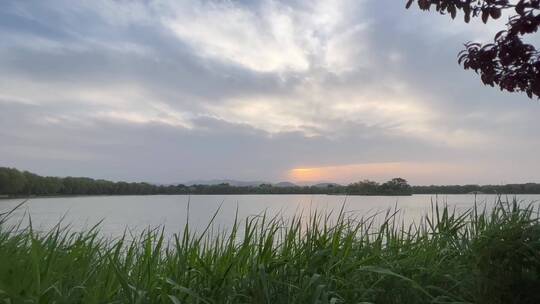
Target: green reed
476, 256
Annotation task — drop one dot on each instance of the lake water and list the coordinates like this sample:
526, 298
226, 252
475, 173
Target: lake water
137, 213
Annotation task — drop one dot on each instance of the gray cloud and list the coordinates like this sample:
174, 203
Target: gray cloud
169, 91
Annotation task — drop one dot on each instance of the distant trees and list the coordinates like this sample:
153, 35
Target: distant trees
12, 181
16, 183
365, 187
38, 185
507, 62
395, 186
528, 188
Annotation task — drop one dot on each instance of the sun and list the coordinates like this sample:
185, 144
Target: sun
306, 174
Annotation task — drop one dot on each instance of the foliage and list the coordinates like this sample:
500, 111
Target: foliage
528, 188
508, 62
473, 257
365, 187
17, 183
397, 186
11, 181
14, 182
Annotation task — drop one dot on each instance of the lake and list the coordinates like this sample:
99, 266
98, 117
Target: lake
169, 212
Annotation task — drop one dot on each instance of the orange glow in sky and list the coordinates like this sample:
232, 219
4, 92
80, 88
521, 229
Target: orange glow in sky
413, 171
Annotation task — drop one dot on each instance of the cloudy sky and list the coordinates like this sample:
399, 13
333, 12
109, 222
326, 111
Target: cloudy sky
327, 90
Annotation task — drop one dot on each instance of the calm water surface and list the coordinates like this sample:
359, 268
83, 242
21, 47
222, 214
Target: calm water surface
136, 213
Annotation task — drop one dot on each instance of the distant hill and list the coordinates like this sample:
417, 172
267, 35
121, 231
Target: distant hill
284, 185
237, 183
326, 185
231, 182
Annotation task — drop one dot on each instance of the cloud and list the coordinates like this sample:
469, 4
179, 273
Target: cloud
273, 38
263, 43
181, 90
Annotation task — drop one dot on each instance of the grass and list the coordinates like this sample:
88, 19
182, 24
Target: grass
473, 257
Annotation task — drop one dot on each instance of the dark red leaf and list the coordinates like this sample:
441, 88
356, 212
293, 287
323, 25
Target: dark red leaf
485, 15
409, 3
495, 13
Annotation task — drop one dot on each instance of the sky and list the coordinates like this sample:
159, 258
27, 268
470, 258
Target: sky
169, 91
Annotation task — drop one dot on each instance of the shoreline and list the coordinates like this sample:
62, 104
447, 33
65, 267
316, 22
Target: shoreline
246, 194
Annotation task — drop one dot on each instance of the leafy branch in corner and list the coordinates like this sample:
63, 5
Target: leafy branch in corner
508, 62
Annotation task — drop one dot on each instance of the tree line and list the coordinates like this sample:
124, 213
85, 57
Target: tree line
527, 188
23, 183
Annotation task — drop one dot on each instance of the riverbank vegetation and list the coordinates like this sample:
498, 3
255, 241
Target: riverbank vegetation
17, 183
22, 183
472, 257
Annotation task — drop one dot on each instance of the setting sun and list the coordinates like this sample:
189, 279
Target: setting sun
417, 171
307, 174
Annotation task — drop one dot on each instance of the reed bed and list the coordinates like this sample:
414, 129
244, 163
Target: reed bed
477, 256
